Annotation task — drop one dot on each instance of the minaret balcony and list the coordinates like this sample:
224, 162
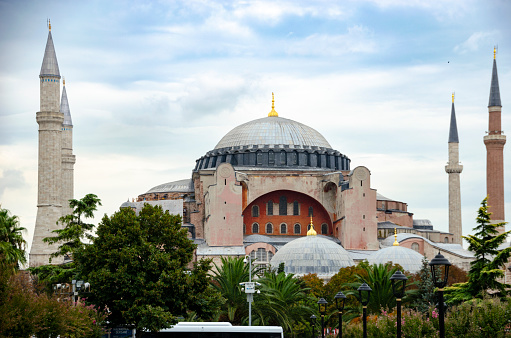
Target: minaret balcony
495, 139
453, 168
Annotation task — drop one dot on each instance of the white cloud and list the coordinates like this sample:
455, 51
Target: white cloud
475, 41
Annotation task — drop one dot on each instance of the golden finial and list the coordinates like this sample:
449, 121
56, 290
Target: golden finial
395, 238
452, 97
64, 81
49, 25
273, 113
311, 231
494, 52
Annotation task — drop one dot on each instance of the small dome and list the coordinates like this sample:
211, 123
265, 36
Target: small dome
409, 259
176, 186
312, 254
273, 131
127, 204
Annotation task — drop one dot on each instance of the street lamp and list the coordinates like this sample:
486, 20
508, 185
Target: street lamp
322, 310
364, 289
340, 298
440, 281
398, 281
249, 288
313, 321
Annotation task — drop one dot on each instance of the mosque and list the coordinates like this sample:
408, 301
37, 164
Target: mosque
277, 190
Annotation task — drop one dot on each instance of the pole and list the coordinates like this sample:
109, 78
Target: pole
364, 314
249, 313
398, 301
312, 329
250, 300
322, 326
340, 324
441, 312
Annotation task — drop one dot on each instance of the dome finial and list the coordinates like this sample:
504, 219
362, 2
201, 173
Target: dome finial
63, 81
395, 238
494, 52
452, 97
273, 113
311, 231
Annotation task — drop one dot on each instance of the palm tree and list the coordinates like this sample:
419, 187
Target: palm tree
282, 301
12, 244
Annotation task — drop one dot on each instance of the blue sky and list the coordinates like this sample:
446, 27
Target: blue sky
154, 85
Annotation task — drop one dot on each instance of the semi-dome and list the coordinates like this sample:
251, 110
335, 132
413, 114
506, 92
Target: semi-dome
312, 254
273, 131
409, 259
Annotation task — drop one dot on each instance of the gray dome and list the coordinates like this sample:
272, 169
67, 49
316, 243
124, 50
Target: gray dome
409, 259
273, 131
312, 254
128, 204
176, 186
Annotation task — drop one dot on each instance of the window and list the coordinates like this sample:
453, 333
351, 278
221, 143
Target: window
415, 246
446, 240
283, 228
296, 208
259, 158
270, 208
255, 211
298, 229
271, 158
324, 229
283, 157
269, 228
261, 255
283, 205
244, 229
255, 228
311, 212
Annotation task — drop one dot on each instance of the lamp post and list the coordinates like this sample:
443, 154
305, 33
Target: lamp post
249, 288
440, 281
340, 298
364, 289
313, 321
322, 310
398, 281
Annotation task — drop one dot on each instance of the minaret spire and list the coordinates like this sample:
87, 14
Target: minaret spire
495, 141
454, 169
68, 159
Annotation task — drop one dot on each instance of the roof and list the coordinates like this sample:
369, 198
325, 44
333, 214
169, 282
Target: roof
494, 100
206, 250
64, 108
409, 259
312, 254
50, 67
391, 225
380, 197
176, 186
453, 129
455, 249
273, 131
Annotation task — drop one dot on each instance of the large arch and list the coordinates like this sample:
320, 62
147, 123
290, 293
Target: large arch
279, 216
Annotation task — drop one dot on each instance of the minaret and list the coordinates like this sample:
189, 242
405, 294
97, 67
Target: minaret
495, 141
454, 169
68, 159
50, 119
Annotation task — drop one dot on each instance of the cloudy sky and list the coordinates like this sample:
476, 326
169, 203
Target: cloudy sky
154, 85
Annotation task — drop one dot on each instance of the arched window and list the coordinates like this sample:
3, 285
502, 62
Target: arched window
259, 158
298, 229
255, 211
311, 212
269, 228
270, 208
271, 158
255, 228
415, 246
283, 205
283, 228
296, 208
446, 240
244, 229
282, 157
324, 229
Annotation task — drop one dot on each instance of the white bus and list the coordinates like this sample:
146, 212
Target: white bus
217, 330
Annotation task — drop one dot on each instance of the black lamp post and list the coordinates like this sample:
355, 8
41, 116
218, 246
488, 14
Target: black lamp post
440, 281
364, 289
322, 310
340, 298
398, 281
313, 321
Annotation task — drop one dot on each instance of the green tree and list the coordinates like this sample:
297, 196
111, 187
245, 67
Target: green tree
426, 295
12, 244
489, 262
138, 269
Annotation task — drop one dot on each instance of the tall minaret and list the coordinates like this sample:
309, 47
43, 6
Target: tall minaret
494, 142
68, 159
50, 119
454, 169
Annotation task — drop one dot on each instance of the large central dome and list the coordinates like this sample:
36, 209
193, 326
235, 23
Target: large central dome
273, 131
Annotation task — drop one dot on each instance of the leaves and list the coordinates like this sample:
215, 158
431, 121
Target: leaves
12, 244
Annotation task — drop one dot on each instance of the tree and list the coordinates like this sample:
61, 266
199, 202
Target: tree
138, 269
12, 244
71, 238
426, 295
489, 261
